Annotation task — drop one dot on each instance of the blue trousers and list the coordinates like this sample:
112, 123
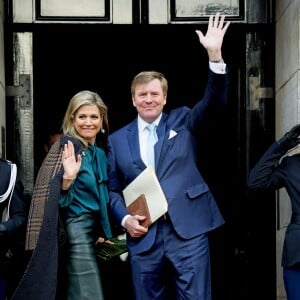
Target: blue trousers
291, 277
3, 284
172, 263
84, 282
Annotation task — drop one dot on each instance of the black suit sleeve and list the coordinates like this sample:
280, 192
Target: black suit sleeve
269, 172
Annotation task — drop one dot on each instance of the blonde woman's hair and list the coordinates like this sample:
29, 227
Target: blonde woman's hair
77, 101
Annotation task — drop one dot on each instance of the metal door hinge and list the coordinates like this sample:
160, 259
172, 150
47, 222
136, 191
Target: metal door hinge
22, 91
257, 92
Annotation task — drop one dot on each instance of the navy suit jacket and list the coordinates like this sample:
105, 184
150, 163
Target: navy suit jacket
191, 206
272, 172
19, 205
14, 238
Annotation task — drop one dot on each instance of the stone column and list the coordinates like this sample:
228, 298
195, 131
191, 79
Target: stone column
287, 89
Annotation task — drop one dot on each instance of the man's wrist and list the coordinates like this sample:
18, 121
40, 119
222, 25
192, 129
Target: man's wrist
218, 61
124, 219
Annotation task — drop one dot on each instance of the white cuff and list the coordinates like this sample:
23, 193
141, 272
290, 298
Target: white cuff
124, 219
219, 68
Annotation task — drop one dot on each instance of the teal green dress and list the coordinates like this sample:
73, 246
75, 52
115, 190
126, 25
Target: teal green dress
85, 214
88, 193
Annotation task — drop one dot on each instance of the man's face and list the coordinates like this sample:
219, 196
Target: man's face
149, 100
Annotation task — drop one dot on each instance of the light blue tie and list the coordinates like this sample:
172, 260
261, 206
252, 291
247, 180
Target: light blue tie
151, 141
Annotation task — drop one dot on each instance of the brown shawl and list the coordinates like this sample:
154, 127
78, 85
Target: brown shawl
41, 278
50, 167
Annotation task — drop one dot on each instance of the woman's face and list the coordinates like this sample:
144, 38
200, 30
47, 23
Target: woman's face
88, 122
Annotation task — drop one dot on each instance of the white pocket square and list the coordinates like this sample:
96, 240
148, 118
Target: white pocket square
172, 133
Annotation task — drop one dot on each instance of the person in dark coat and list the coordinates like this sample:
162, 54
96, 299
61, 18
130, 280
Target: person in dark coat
276, 169
14, 212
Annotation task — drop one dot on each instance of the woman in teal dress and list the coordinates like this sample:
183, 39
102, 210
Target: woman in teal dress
84, 197
70, 192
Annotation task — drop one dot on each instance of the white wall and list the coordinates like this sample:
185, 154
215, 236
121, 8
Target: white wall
287, 76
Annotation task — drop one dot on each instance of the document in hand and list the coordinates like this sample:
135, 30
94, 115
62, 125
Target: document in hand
147, 183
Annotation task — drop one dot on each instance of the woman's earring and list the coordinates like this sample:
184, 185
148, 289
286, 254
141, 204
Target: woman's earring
102, 130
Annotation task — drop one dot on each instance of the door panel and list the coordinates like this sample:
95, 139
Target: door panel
138, 11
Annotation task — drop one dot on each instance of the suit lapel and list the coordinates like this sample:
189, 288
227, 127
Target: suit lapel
161, 132
133, 144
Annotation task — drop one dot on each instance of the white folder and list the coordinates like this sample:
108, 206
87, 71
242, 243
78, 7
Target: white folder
147, 183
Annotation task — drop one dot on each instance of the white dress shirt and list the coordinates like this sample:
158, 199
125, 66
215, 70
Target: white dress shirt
143, 135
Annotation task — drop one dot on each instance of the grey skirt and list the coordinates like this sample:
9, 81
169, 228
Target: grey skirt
83, 274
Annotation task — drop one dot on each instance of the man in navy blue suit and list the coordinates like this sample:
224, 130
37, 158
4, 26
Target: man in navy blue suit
179, 239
